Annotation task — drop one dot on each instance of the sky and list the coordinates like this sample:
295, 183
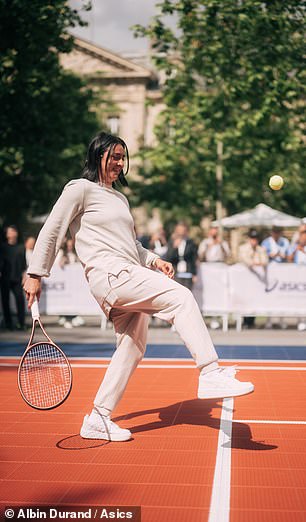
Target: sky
110, 22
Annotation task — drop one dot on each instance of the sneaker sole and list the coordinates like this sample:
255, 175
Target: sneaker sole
214, 395
102, 436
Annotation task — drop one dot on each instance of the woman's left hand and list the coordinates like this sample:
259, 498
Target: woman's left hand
164, 267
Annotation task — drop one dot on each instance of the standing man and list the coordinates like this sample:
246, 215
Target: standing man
276, 246
297, 255
13, 266
213, 249
182, 253
255, 258
297, 252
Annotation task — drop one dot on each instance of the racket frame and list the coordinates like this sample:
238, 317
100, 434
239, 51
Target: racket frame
36, 319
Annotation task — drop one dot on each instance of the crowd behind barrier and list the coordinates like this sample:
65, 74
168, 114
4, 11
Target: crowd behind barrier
269, 278
220, 290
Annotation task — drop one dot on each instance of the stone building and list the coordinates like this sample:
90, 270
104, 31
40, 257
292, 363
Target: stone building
134, 96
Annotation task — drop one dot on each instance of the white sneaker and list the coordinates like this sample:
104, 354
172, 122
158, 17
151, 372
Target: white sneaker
301, 326
269, 324
68, 325
222, 383
214, 324
106, 430
78, 321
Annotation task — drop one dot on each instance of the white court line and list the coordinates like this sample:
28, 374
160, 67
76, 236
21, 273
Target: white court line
220, 498
252, 421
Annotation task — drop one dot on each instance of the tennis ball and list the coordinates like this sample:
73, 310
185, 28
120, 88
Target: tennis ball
276, 182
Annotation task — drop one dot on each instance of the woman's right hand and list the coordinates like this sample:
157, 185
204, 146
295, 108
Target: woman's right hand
32, 288
165, 267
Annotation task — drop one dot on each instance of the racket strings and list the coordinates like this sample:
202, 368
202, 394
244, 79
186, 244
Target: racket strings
44, 376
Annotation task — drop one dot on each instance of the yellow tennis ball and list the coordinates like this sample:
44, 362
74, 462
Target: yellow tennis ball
276, 182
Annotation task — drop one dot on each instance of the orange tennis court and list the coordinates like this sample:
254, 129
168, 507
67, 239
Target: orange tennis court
189, 460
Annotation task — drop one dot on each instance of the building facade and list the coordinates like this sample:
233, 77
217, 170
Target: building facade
134, 97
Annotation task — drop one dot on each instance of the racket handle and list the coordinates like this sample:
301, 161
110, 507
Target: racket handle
35, 309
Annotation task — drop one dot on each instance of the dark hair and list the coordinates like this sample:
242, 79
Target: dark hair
253, 233
99, 145
277, 230
10, 226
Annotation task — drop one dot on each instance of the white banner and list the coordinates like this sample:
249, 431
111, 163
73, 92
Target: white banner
281, 288
211, 288
220, 289
66, 292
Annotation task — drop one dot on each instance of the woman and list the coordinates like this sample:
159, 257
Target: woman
122, 277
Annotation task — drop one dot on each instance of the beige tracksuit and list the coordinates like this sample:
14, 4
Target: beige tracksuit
120, 275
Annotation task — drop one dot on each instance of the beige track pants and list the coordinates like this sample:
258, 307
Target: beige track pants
142, 292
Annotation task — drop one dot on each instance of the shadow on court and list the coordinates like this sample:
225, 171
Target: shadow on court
194, 412
191, 412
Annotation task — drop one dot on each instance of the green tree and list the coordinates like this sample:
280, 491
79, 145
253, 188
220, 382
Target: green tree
233, 74
46, 117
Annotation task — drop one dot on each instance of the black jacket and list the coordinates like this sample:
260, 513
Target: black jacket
190, 255
12, 262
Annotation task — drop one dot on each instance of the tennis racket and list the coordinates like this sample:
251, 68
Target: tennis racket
44, 373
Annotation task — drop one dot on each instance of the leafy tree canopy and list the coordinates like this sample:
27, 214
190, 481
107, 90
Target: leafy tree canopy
233, 73
46, 118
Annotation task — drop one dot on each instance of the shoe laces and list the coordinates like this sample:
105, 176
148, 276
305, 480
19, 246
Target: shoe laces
229, 371
109, 424
106, 422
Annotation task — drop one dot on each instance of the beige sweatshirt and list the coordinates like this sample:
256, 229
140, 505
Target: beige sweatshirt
250, 257
100, 221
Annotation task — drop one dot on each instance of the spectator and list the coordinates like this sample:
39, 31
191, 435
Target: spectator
297, 254
29, 247
213, 249
13, 266
67, 254
276, 246
296, 235
158, 243
254, 257
182, 253
143, 238
251, 253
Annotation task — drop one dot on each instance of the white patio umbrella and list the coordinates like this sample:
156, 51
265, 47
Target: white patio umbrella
261, 215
